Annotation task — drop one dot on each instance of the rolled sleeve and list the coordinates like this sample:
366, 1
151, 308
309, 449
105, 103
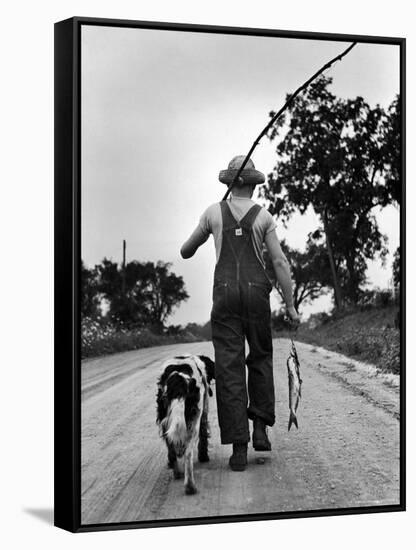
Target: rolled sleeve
271, 225
205, 223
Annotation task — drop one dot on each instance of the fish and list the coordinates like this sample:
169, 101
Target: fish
295, 386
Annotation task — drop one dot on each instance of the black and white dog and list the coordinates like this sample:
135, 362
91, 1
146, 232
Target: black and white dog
183, 390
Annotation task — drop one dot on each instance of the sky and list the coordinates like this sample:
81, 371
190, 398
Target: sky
164, 111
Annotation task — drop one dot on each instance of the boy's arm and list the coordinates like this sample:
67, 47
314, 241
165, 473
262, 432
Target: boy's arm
282, 270
190, 246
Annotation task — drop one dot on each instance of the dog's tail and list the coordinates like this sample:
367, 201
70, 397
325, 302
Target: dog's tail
175, 425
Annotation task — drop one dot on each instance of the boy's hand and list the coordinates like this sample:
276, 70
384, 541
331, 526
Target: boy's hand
293, 316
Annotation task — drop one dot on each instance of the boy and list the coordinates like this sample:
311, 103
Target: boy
241, 309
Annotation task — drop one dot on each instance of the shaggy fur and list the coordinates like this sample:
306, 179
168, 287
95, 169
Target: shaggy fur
183, 389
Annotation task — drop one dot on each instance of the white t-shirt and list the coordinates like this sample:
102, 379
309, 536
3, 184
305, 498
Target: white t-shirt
211, 222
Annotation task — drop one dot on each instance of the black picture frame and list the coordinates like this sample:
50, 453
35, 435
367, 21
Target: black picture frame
67, 271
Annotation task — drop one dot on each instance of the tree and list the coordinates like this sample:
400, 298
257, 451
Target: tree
310, 270
396, 267
202, 332
391, 152
165, 291
330, 156
90, 299
151, 292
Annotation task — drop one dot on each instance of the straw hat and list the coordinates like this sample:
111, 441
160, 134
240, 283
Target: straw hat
250, 175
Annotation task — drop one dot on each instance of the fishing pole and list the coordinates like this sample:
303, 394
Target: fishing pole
281, 111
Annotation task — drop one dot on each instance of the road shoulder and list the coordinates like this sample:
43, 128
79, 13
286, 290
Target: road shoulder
381, 389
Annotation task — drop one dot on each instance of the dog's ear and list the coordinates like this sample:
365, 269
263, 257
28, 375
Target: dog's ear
209, 367
161, 405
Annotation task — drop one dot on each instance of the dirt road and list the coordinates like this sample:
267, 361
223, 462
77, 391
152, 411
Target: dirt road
345, 453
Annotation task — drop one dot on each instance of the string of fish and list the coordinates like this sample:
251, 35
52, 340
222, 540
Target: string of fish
295, 382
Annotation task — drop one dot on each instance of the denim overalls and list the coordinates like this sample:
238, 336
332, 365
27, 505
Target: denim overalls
241, 310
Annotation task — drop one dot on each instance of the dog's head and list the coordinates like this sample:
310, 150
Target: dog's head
209, 370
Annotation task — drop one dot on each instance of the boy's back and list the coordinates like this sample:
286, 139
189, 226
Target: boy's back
211, 223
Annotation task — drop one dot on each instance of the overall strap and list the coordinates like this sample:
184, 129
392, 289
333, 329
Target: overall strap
237, 235
248, 220
228, 220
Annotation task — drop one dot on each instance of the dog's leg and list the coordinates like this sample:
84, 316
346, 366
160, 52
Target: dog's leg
179, 467
171, 455
203, 438
190, 487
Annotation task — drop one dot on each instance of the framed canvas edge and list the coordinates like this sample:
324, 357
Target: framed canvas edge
403, 276
67, 250
238, 518
247, 31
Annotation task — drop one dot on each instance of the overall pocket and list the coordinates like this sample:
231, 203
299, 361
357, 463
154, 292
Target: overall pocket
220, 300
258, 301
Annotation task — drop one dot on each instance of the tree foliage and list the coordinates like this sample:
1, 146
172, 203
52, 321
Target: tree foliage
391, 152
396, 267
143, 294
90, 299
332, 157
310, 270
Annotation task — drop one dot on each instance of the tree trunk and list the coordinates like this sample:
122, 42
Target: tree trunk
352, 284
337, 289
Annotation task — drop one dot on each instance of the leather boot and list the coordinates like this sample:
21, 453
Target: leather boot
238, 460
260, 440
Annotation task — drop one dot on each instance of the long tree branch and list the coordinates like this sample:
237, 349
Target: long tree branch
309, 290
280, 112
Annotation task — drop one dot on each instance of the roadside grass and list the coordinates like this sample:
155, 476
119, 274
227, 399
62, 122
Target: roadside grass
98, 338
368, 336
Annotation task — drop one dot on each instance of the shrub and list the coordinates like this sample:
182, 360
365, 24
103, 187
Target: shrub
376, 298
279, 322
101, 337
383, 298
369, 336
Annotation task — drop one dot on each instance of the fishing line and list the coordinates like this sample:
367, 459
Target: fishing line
292, 335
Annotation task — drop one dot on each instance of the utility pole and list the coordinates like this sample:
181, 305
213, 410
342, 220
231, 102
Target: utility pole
123, 270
